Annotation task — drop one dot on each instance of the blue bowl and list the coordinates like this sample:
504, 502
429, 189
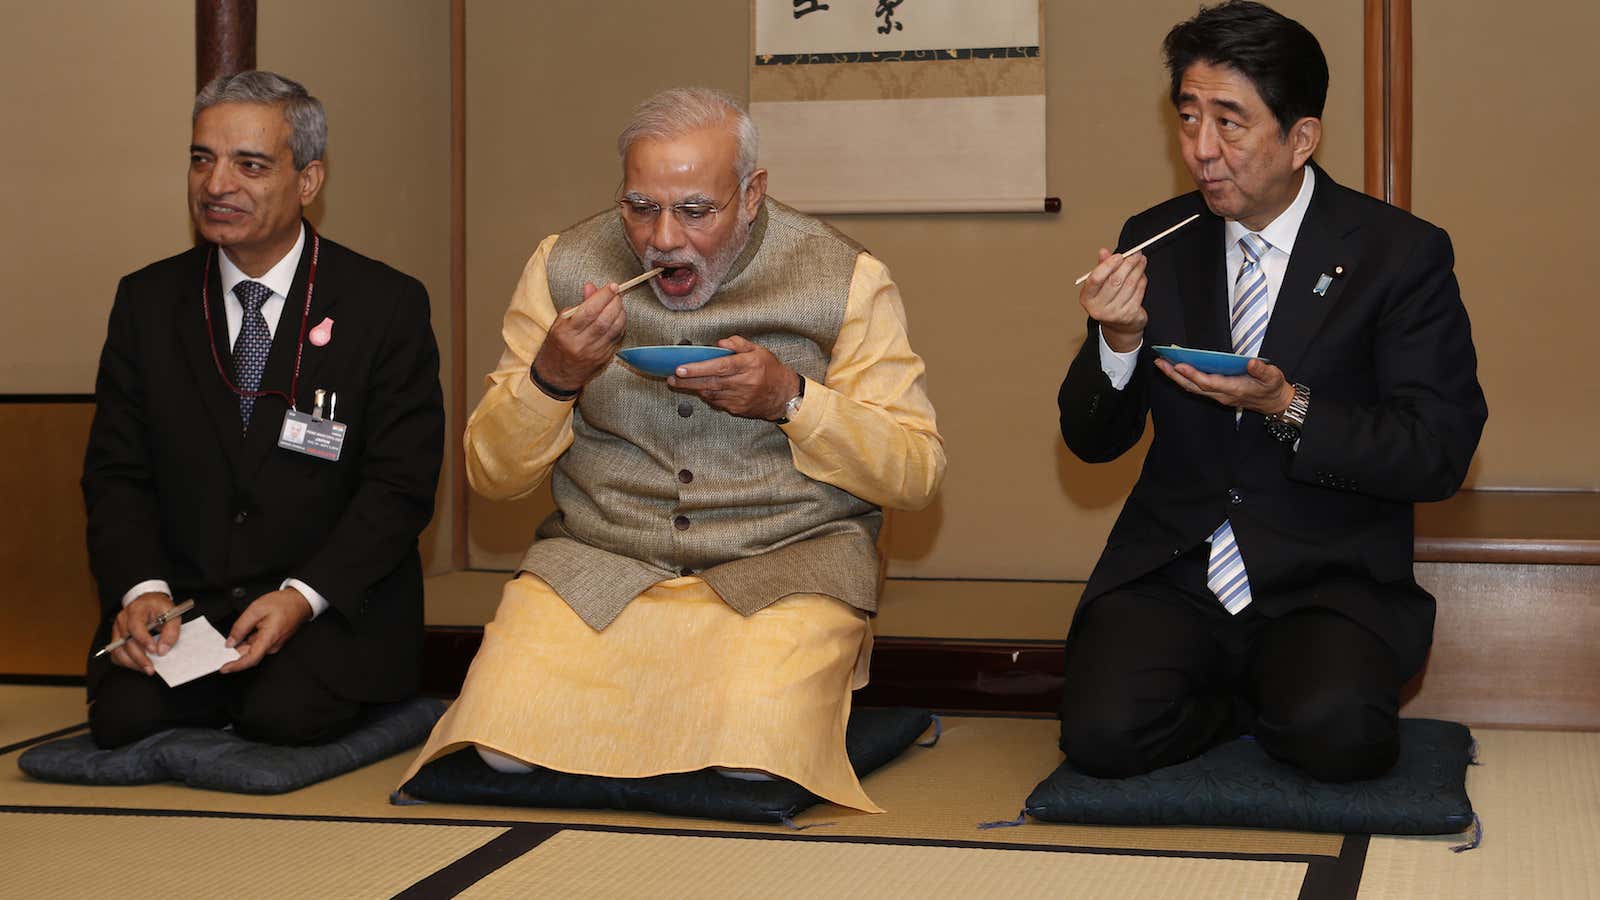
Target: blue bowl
1211, 362
663, 359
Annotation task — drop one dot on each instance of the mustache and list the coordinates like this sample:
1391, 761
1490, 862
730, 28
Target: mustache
672, 262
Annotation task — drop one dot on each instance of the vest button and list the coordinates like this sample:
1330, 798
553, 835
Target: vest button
237, 593
685, 476
685, 342
681, 523
685, 409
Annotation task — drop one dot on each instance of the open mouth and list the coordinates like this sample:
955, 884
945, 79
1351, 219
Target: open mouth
677, 280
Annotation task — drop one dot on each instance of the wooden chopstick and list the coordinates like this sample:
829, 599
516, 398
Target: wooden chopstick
622, 288
1085, 276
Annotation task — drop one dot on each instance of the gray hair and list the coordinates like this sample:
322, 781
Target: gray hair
677, 111
308, 124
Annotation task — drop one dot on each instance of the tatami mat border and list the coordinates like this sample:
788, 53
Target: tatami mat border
1327, 877
59, 732
472, 868
692, 832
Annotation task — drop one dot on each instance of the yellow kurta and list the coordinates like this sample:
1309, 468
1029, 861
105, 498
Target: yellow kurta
679, 682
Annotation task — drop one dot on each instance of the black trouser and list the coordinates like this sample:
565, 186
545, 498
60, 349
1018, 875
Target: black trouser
1157, 672
278, 701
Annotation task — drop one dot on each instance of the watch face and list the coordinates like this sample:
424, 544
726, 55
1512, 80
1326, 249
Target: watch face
1282, 430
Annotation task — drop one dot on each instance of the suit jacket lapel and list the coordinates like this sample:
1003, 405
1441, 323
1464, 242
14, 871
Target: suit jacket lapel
325, 295
206, 351
1323, 247
279, 375
1203, 285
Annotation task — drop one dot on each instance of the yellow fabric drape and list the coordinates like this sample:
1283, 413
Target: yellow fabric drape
677, 683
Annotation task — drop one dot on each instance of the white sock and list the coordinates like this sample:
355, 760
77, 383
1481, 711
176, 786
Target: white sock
503, 763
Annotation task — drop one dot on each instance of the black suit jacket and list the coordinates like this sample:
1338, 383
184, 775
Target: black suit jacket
175, 491
1396, 413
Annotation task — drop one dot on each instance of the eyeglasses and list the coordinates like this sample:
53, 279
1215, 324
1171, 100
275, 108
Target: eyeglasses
693, 215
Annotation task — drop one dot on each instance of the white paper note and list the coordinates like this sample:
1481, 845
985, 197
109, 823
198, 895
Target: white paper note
200, 651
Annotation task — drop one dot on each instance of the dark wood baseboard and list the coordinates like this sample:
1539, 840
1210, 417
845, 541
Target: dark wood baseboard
949, 676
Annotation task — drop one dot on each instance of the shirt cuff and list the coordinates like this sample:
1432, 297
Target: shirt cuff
319, 604
1117, 366
152, 586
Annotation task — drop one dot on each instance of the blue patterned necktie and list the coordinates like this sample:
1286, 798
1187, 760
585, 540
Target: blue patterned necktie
250, 349
1225, 573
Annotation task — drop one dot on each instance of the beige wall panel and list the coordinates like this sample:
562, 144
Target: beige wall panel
989, 297
96, 113
1505, 124
382, 70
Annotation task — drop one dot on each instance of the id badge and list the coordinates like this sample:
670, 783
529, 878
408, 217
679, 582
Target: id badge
303, 433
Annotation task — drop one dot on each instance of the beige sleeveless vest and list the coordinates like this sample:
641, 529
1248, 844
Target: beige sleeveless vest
658, 484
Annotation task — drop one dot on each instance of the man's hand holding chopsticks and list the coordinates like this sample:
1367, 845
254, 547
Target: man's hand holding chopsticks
1113, 295
579, 346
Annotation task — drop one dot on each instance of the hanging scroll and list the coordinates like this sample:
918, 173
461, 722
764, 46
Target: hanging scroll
901, 105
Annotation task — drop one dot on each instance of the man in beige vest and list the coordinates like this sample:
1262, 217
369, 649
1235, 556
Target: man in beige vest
700, 596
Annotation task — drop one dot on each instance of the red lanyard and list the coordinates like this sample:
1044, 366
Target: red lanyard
299, 347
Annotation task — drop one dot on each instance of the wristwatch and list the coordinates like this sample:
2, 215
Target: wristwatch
791, 408
1285, 426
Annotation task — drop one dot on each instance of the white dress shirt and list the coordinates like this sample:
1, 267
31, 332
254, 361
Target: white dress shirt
1274, 263
279, 278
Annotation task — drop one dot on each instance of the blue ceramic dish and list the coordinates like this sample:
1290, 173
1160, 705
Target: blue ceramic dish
662, 359
1212, 362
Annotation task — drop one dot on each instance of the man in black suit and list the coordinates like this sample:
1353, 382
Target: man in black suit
1259, 579
307, 561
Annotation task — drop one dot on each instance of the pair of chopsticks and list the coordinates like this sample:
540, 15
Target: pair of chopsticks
622, 288
1085, 276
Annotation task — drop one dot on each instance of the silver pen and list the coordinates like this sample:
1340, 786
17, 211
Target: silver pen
155, 626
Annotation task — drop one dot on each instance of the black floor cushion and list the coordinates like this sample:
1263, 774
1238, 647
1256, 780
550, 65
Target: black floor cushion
874, 737
1237, 784
220, 760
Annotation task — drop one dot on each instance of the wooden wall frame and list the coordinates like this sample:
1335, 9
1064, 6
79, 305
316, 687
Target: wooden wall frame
457, 388
224, 38
1387, 104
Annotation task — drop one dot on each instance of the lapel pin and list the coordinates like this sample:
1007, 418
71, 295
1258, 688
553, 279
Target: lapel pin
323, 333
1323, 280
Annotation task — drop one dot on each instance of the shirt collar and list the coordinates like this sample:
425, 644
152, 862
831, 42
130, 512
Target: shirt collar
279, 278
1280, 232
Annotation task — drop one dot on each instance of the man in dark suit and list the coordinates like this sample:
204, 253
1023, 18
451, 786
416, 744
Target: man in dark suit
1259, 578
307, 561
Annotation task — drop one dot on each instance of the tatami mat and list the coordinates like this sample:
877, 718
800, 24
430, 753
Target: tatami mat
601, 864
164, 857
1538, 794
27, 712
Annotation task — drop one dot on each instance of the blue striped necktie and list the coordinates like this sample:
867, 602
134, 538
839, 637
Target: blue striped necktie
250, 348
1225, 573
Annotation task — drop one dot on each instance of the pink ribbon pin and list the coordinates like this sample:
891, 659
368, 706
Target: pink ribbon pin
323, 333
